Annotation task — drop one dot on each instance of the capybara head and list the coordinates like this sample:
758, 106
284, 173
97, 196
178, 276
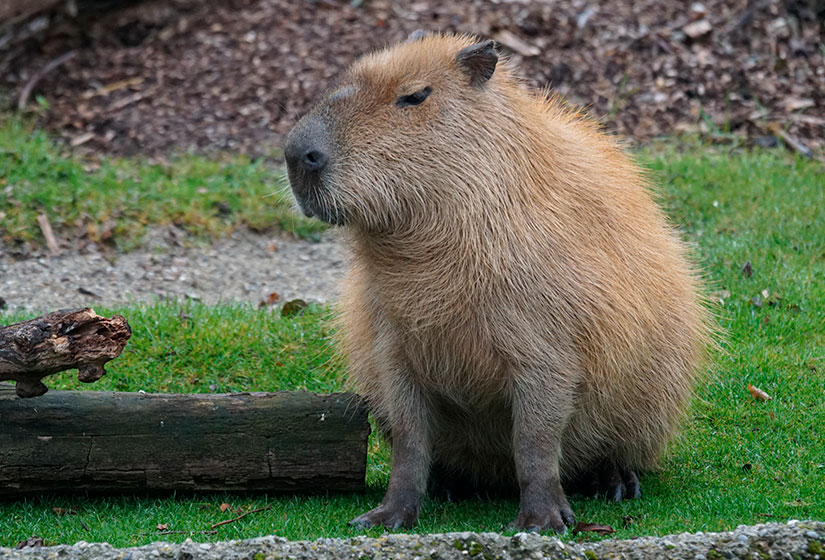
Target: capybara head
396, 139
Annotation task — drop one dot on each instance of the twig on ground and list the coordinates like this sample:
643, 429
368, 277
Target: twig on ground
241, 516
793, 143
789, 140
129, 99
39, 75
46, 228
114, 86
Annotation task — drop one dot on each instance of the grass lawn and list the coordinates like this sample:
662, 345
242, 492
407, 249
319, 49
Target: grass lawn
114, 200
737, 461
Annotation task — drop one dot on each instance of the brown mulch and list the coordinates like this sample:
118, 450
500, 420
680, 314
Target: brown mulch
235, 75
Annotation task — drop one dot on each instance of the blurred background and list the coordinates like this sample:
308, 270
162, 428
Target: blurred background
159, 76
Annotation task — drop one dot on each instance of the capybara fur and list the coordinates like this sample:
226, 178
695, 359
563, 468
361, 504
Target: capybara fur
518, 313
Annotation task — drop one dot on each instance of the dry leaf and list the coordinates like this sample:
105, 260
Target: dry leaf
224, 507
797, 503
163, 526
593, 528
697, 28
32, 542
271, 299
795, 103
719, 296
64, 511
81, 139
758, 393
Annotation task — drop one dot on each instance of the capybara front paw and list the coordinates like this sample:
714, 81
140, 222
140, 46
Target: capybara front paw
392, 518
555, 517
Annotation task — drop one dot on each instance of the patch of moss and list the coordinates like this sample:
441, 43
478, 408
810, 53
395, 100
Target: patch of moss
714, 554
474, 548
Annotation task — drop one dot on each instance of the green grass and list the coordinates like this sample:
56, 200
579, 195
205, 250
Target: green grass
737, 461
114, 200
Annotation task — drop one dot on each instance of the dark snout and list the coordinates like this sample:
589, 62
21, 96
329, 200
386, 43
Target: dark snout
305, 151
307, 154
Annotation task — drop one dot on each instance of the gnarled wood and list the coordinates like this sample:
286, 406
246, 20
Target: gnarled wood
62, 340
291, 441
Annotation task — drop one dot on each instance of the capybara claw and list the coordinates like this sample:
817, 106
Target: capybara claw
556, 518
386, 517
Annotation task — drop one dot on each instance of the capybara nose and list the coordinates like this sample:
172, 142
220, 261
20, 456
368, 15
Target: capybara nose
305, 147
313, 160
305, 158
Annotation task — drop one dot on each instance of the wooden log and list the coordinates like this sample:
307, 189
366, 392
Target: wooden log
59, 341
108, 442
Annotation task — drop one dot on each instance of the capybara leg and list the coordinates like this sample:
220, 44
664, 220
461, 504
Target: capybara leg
537, 425
411, 452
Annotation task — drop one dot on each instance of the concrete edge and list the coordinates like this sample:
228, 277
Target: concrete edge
793, 540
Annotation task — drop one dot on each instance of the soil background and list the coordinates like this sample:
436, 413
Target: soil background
199, 75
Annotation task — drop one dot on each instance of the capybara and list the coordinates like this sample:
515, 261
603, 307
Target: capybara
519, 313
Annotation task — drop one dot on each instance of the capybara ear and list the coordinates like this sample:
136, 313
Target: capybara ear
478, 62
417, 35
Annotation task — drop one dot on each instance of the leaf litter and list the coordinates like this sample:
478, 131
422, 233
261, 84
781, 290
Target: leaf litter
196, 76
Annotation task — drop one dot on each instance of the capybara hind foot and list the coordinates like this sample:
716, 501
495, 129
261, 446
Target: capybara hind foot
609, 480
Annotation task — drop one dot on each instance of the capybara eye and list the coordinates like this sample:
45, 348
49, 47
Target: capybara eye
414, 98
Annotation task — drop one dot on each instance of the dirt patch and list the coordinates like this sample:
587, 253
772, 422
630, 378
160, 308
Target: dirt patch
235, 75
245, 267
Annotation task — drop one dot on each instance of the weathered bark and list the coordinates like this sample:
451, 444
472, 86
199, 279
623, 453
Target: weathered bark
62, 340
70, 441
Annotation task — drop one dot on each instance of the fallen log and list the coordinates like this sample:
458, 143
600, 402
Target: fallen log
108, 442
78, 339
